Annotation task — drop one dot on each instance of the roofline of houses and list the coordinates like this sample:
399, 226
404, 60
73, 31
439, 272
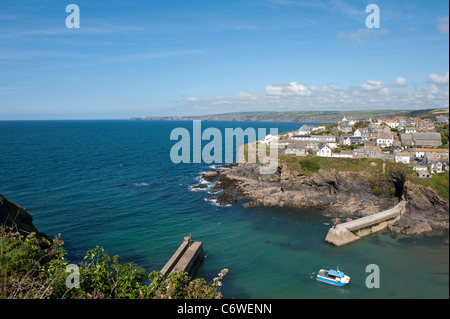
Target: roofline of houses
382, 138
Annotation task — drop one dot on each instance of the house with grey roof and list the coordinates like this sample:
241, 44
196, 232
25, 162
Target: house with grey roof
421, 139
352, 140
305, 130
363, 133
296, 149
368, 151
375, 130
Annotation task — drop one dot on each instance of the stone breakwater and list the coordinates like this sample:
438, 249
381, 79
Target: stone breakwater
348, 232
340, 195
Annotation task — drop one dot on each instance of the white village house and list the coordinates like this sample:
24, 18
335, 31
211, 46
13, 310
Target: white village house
392, 123
420, 152
402, 157
324, 151
385, 140
269, 138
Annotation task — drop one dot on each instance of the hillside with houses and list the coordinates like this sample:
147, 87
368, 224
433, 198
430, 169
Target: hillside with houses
421, 143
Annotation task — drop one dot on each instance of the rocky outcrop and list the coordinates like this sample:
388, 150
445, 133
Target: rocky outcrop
335, 193
425, 211
17, 218
343, 194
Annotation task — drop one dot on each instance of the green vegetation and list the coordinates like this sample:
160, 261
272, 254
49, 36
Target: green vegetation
314, 164
377, 191
308, 164
439, 182
34, 268
443, 129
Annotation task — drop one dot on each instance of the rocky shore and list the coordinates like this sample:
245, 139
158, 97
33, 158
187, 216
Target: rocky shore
17, 218
338, 194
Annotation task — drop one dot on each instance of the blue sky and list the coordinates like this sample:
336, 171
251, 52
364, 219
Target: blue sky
158, 58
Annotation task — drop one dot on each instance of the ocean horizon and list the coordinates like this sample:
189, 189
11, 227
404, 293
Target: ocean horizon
112, 183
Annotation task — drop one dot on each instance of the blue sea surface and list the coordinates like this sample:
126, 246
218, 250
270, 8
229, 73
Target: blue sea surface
113, 184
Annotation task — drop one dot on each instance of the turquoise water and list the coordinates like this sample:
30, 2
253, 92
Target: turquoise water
111, 183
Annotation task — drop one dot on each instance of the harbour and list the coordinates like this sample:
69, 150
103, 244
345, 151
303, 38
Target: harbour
111, 184
351, 231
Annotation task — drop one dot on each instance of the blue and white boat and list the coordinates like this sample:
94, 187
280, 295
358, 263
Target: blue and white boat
333, 277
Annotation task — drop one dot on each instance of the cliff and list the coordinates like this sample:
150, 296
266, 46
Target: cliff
339, 188
17, 218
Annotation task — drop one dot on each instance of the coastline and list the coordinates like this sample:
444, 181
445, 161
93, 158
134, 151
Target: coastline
139, 223
295, 116
343, 196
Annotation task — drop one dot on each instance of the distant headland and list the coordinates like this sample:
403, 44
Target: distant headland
302, 116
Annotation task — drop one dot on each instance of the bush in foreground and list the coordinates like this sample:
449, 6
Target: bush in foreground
35, 268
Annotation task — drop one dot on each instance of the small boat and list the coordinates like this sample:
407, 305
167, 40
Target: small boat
333, 277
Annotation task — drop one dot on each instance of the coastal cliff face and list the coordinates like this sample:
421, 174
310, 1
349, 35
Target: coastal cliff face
425, 211
17, 217
361, 189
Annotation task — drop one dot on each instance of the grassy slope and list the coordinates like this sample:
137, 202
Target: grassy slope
439, 182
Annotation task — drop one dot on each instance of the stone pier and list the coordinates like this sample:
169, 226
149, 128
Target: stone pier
345, 233
187, 258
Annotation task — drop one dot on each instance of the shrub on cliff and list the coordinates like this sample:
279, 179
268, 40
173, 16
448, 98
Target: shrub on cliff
27, 270
29, 267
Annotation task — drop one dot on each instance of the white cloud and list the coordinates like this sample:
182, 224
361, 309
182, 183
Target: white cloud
291, 89
244, 95
298, 89
378, 85
437, 79
434, 90
295, 96
443, 25
400, 82
372, 85
332, 88
274, 90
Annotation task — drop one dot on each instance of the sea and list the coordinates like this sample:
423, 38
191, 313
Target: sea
112, 183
